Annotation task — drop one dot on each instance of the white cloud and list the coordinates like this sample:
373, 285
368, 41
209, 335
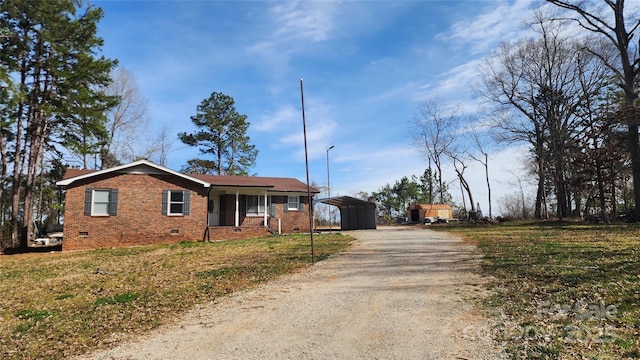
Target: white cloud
293, 27
488, 29
309, 21
286, 123
284, 116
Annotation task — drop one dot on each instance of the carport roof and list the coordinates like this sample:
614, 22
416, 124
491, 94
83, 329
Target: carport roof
345, 201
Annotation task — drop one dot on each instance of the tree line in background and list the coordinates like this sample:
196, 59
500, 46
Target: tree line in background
572, 99
393, 200
564, 95
60, 99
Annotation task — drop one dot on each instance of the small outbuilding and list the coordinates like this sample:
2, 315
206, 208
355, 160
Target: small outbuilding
417, 213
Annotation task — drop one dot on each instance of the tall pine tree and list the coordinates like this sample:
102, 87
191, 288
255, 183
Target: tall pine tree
222, 135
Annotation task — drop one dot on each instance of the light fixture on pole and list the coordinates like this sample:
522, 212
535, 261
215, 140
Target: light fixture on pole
329, 187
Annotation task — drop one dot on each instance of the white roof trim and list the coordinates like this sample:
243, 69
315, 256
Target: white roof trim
69, 181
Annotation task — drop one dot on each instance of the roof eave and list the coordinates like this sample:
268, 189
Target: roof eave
69, 181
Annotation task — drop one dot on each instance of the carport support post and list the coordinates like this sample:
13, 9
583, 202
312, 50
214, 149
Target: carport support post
329, 187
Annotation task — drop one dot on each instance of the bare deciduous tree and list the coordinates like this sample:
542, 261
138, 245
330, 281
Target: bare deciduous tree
436, 130
126, 121
535, 81
483, 159
607, 19
460, 165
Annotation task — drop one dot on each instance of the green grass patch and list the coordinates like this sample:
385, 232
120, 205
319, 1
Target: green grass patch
64, 296
123, 298
30, 314
59, 305
566, 290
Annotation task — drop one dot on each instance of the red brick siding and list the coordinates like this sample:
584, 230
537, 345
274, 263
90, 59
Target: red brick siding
292, 220
139, 220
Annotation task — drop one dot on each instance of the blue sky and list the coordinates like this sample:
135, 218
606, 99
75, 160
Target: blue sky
366, 66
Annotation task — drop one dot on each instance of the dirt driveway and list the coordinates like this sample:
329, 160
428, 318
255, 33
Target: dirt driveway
398, 293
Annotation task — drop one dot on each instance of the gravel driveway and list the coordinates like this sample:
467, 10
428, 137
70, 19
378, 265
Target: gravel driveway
398, 293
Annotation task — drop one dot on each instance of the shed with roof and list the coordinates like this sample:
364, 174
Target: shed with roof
417, 213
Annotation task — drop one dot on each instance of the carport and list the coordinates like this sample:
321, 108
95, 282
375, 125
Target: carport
355, 214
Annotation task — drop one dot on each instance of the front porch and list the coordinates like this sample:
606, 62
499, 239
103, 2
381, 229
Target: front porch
234, 214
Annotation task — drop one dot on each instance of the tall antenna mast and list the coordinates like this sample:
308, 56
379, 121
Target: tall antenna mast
306, 160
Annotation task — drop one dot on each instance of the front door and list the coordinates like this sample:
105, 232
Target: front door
214, 210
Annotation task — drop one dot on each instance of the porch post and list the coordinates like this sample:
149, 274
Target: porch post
237, 222
266, 206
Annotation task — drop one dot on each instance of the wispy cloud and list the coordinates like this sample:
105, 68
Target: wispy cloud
486, 30
312, 21
280, 119
292, 28
286, 126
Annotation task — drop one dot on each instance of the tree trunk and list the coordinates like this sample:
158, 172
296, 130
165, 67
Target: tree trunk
601, 190
16, 178
634, 148
486, 173
540, 191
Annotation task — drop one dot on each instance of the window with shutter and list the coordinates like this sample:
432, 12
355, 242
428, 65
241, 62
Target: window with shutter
176, 202
272, 206
113, 202
88, 199
101, 202
187, 202
293, 203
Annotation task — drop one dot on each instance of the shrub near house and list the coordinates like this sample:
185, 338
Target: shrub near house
143, 203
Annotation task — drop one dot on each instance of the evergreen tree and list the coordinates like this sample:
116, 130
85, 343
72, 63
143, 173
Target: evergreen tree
50, 67
221, 134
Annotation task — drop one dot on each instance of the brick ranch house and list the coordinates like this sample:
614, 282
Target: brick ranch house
144, 203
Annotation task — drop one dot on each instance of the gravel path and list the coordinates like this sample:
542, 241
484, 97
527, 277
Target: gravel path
398, 293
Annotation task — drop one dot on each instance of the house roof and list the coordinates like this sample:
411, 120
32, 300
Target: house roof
274, 183
271, 183
72, 175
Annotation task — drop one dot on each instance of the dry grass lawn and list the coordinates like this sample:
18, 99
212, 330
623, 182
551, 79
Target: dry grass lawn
56, 305
565, 291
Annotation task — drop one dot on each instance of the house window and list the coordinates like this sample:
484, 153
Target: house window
175, 202
293, 203
255, 205
101, 202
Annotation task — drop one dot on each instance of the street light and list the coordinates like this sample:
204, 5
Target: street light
329, 186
